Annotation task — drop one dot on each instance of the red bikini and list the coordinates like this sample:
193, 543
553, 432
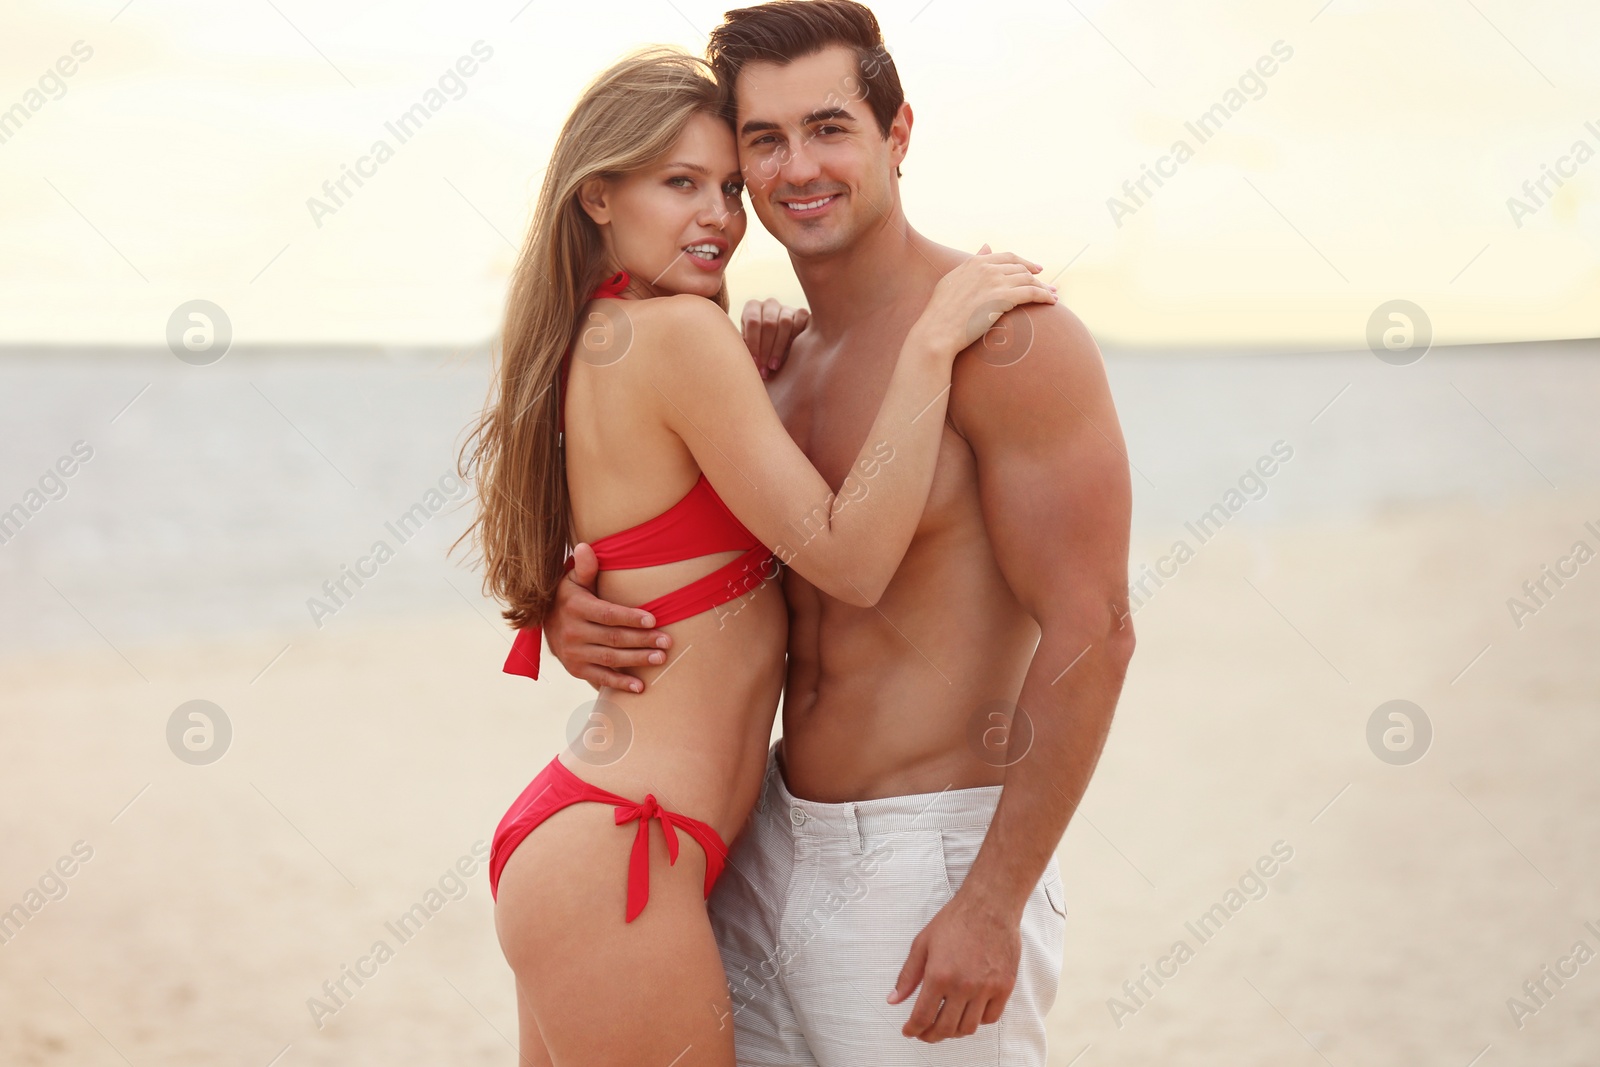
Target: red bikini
556, 787
697, 525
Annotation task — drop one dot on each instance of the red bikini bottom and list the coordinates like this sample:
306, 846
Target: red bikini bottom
556, 787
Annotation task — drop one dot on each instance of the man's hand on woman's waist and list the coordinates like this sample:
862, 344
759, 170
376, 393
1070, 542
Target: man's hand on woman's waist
596, 640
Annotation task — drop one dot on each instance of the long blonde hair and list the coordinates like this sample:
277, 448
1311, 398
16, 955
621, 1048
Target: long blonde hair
625, 121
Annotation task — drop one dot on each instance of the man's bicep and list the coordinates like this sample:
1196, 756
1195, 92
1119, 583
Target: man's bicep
1052, 470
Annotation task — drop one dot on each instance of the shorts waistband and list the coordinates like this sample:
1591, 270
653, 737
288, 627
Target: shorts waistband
854, 819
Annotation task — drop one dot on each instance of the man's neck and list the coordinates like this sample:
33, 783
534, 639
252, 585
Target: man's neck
889, 261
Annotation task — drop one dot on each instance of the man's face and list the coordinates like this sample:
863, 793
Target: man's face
815, 164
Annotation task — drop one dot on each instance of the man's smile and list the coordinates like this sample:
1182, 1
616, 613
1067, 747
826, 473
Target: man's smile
808, 208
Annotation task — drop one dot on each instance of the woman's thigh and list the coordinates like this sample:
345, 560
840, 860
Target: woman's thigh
604, 991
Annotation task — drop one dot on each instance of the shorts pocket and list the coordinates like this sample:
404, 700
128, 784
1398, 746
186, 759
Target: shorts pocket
1052, 888
959, 849
949, 887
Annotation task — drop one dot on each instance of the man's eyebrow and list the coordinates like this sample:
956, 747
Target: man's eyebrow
827, 114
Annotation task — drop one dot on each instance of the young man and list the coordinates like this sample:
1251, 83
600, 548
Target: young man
898, 879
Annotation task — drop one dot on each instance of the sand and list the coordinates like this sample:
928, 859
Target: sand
368, 759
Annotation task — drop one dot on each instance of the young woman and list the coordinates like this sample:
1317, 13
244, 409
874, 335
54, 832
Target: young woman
627, 413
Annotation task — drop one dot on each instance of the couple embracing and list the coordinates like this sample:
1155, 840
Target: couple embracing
907, 517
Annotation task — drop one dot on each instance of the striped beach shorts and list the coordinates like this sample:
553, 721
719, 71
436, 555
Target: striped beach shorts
816, 912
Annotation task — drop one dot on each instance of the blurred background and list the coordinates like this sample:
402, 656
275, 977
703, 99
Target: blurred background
1378, 266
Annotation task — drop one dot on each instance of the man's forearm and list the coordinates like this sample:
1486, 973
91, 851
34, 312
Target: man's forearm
1051, 764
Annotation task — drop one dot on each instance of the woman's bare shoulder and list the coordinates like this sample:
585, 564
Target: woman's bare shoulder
683, 311
687, 330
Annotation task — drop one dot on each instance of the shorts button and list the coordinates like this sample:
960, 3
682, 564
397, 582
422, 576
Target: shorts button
797, 816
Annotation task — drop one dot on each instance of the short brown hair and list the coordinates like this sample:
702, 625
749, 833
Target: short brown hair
786, 30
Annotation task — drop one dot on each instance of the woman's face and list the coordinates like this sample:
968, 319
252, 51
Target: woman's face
673, 225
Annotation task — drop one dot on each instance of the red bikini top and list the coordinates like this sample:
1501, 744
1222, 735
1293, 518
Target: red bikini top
697, 525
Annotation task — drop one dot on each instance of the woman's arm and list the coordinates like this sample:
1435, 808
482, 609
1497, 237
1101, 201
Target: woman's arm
849, 543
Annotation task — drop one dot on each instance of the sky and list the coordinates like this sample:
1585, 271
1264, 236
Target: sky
1395, 152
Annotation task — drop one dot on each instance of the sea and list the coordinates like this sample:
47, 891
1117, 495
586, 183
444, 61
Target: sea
145, 498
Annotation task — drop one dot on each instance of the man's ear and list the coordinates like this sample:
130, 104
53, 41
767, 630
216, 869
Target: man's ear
900, 136
594, 196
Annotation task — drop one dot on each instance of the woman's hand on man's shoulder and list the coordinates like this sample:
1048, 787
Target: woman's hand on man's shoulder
770, 327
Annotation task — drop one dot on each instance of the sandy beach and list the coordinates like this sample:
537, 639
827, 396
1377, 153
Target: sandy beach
1341, 260
1406, 905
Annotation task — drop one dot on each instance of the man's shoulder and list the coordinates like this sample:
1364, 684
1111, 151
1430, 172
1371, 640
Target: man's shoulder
1030, 364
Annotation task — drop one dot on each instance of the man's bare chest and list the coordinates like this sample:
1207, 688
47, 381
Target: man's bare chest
828, 406
829, 400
